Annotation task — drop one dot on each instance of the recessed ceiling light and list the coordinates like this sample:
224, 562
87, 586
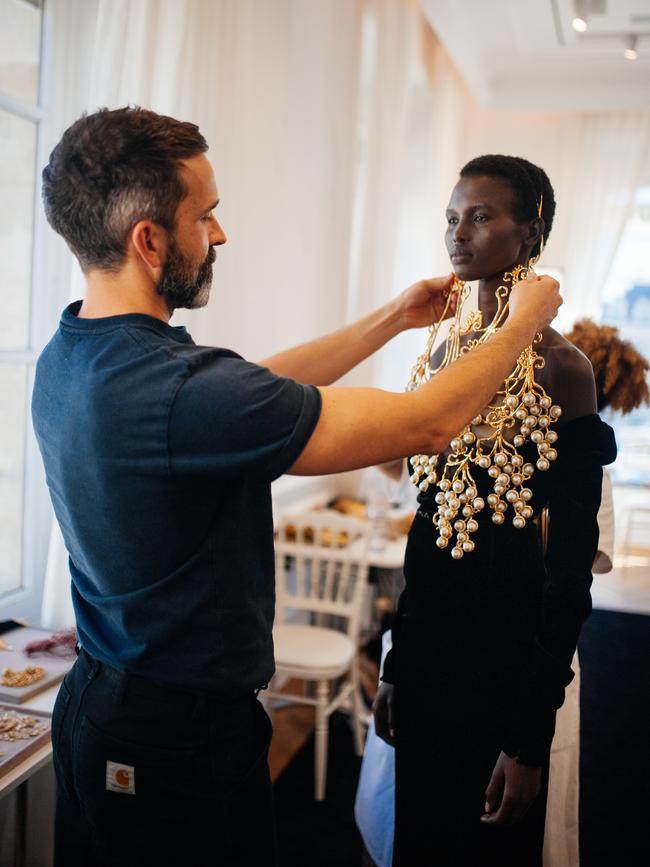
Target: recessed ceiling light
579, 25
579, 22
630, 52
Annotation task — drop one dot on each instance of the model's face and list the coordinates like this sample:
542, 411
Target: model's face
483, 239
186, 276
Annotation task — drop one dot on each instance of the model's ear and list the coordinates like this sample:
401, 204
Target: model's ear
149, 241
534, 232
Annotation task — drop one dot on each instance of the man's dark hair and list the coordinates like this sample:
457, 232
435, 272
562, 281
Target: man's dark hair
528, 182
111, 169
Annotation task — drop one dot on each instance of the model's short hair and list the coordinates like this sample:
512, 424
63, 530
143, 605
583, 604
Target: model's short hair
619, 369
529, 183
111, 169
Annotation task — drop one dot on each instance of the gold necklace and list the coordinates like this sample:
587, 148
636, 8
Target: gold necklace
520, 402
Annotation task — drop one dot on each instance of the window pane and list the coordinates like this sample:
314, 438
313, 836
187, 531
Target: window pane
20, 39
13, 388
17, 161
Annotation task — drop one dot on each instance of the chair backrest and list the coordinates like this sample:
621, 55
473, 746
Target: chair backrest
321, 566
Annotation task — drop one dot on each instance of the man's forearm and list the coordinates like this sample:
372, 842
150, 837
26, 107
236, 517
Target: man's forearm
457, 394
323, 361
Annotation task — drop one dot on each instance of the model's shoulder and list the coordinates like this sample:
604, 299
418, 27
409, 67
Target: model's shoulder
565, 355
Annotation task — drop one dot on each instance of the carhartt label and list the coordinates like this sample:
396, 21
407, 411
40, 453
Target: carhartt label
120, 778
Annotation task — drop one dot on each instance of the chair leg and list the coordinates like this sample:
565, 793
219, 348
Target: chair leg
320, 738
357, 710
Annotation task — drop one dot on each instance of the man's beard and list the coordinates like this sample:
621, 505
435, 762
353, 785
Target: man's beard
182, 284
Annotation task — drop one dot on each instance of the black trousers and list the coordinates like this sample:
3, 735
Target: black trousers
149, 774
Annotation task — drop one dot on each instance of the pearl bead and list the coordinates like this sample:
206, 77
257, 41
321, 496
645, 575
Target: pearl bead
454, 504
535, 410
501, 506
527, 512
448, 513
472, 526
521, 414
551, 436
526, 494
414, 460
440, 498
441, 542
459, 525
428, 468
492, 499
468, 546
479, 503
449, 496
462, 499
542, 464
471, 493
517, 460
456, 553
468, 438
445, 484
431, 478
503, 479
511, 401
543, 447
537, 436
458, 486
456, 444
551, 455
493, 472
518, 522
501, 459
446, 531
507, 469
516, 479
531, 421
519, 441
529, 399
468, 511
518, 505
462, 536
529, 469
484, 462
497, 518
525, 430
544, 421
423, 486
555, 411
499, 489
511, 496
545, 402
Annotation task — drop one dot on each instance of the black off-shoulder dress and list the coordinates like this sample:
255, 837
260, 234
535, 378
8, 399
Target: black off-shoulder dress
482, 651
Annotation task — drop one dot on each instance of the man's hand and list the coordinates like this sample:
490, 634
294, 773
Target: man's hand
424, 302
382, 709
511, 791
535, 301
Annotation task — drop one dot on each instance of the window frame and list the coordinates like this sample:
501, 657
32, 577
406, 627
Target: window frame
26, 601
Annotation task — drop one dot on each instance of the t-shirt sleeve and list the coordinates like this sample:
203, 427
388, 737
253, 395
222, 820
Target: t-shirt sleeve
231, 417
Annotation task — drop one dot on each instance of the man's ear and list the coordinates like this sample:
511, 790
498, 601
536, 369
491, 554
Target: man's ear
149, 242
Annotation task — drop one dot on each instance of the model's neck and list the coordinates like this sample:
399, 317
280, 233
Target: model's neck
487, 287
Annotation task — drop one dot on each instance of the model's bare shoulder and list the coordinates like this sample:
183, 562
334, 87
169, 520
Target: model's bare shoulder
568, 375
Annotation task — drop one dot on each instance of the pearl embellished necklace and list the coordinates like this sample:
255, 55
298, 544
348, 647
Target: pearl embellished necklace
521, 406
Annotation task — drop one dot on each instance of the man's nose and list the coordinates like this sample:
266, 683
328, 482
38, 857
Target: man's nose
217, 236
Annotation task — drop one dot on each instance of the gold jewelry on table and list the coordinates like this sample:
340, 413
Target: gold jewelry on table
24, 677
521, 405
15, 727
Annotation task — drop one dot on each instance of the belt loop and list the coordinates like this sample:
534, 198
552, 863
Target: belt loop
121, 686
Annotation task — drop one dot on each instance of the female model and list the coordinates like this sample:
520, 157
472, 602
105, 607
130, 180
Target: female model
483, 640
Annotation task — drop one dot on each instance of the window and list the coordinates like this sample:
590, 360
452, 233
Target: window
21, 117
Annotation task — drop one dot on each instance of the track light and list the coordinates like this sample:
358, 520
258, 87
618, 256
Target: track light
579, 22
630, 52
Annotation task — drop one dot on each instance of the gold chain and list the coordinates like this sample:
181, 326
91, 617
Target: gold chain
521, 401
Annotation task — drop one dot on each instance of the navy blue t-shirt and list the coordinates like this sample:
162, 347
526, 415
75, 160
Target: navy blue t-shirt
159, 456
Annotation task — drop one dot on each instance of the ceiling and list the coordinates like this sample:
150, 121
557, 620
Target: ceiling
524, 54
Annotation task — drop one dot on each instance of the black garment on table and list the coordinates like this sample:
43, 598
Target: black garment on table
482, 651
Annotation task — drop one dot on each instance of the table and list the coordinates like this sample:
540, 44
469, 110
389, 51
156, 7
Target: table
32, 781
